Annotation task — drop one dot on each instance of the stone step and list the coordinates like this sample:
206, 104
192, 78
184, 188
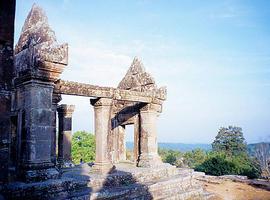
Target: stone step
177, 187
139, 183
122, 176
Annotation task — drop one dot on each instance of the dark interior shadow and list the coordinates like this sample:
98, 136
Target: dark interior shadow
125, 114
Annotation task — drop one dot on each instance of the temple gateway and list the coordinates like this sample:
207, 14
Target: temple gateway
35, 164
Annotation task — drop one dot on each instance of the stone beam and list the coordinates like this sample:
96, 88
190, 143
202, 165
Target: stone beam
88, 90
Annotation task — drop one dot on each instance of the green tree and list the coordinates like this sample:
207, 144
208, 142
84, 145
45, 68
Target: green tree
230, 140
194, 158
83, 147
173, 157
217, 164
220, 163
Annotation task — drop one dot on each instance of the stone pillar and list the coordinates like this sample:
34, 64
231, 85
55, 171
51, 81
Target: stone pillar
102, 108
136, 147
65, 136
34, 100
56, 98
121, 143
148, 137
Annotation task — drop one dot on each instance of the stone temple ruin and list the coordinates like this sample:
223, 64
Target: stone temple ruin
30, 96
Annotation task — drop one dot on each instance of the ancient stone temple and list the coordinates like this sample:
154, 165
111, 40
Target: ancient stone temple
37, 165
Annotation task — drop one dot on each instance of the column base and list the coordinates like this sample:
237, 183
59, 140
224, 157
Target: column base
103, 168
37, 175
65, 163
149, 161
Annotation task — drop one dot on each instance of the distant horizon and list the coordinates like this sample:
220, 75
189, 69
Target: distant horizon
197, 143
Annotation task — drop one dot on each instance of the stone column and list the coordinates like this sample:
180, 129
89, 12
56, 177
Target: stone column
56, 98
136, 148
65, 128
121, 143
148, 137
102, 108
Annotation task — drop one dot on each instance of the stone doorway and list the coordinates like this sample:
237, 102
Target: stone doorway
130, 144
76, 118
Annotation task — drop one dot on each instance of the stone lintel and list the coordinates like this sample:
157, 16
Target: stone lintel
88, 90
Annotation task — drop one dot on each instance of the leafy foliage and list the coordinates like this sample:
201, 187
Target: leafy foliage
230, 140
179, 159
173, 157
194, 158
219, 163
229, 156
83, 147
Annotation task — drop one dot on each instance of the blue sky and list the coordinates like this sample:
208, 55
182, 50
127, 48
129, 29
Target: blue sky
213, 56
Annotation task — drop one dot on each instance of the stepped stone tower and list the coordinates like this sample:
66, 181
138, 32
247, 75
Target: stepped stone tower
39, 61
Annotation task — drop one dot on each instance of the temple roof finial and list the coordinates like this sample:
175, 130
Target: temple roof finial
35, 30
37, 53
136, 66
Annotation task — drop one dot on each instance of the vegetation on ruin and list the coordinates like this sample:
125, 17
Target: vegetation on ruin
83, 147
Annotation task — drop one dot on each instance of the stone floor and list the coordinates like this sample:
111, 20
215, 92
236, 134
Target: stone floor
125, 182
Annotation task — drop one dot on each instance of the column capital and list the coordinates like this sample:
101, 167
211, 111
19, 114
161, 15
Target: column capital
65, 109
101, 102
56, 98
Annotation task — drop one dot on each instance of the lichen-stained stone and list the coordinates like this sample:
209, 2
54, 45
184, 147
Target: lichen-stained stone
37, 53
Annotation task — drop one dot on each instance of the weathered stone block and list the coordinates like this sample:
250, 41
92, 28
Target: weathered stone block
42, 117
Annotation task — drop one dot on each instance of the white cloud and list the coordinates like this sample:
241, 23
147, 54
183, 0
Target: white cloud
95, 65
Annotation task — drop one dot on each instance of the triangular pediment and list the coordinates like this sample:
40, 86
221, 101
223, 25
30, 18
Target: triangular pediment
137, 78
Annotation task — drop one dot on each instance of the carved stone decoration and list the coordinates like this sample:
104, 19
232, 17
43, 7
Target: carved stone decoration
37, 53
